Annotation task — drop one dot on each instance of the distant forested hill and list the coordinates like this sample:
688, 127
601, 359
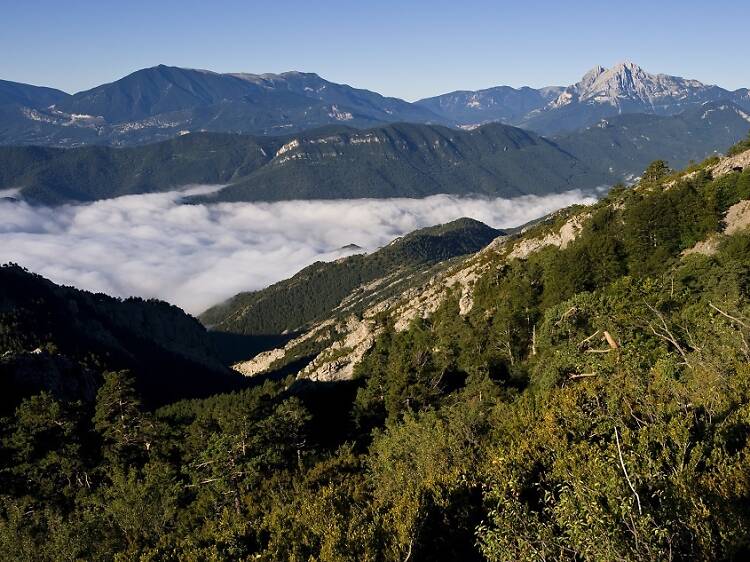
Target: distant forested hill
401, 160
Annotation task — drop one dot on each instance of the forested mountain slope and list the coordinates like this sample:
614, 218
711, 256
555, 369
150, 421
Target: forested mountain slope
60, 339
576, 391
400, 160
313, 293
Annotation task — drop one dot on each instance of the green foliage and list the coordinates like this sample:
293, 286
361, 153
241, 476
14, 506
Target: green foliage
127, 431
592, 404
657, 170
61, 339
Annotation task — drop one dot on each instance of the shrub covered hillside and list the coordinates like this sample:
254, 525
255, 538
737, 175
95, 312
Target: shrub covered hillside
593, 403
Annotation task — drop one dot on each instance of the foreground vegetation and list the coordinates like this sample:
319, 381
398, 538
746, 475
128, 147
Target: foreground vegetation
594, 404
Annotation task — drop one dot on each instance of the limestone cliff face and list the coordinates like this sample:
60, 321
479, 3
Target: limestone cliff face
346, 341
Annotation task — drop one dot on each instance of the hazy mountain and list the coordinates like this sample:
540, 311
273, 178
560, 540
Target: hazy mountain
502, 103
601, 93
162, 102
24, 95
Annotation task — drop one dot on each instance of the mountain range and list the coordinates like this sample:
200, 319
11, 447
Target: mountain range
161, 102
397, 160
601, 93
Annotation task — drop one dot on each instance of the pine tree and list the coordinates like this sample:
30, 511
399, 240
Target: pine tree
127, 432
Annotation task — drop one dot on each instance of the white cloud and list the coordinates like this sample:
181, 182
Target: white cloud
197, 255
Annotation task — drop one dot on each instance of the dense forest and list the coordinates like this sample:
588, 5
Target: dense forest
594, 404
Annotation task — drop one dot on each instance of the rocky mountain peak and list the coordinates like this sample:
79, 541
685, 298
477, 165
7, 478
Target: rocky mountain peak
628, 82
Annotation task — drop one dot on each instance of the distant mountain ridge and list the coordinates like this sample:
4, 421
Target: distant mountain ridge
162, 102
601, 93
29, 96
399, 160
500, 103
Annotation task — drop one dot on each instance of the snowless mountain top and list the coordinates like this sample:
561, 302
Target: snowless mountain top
627, 81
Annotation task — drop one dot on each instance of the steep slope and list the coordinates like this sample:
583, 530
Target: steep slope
343, 342
61, 339
317, 290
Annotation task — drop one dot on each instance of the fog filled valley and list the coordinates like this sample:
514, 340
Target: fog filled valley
194, 256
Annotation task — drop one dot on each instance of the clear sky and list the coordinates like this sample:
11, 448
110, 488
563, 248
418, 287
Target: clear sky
409, 49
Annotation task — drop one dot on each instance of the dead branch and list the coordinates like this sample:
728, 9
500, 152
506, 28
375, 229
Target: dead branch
717, 309
666, 334
202, 482
566, 314
588, 339
625, 471
581, 376
597, 350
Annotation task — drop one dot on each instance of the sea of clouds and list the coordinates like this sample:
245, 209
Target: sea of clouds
194, 256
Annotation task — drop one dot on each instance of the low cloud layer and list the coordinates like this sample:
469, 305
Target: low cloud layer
197, 255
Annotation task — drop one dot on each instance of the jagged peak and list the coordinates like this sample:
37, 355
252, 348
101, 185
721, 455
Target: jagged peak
626, 65
626, 80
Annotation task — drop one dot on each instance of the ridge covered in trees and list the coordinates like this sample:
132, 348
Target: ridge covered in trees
314, 292
397, 160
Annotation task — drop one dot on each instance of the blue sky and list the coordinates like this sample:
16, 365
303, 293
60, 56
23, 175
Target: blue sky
409, 49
